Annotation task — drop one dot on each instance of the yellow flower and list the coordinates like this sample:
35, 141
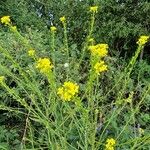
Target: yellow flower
31, 52
62, 19
93, 9
100, 67
5, 20
100, 50
110, 143
2, 79
53, 28
44, 65
68, 90
142, 40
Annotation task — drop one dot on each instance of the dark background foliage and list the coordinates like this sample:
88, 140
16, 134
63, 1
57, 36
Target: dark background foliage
118, 22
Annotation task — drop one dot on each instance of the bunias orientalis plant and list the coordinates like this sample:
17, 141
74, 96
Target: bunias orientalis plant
127, 71
66, 111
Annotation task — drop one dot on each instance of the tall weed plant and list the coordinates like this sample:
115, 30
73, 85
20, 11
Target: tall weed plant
73, 101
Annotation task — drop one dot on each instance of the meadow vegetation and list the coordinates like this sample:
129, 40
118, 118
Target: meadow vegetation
68, 81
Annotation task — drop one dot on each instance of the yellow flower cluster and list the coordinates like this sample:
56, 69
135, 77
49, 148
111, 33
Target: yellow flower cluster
110, 143
5, 20
93, 9
100, 67
142, 40
53, 28
44, 65
62, 19
31, 52
100, 50
2, 79
68, 90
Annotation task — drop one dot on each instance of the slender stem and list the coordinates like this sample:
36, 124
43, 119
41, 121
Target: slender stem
53, 46
66, 38
66, 47
87, 38
25, 129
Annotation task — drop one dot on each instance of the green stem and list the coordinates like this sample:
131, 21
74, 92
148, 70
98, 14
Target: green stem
87, 38
53, 47
66, 47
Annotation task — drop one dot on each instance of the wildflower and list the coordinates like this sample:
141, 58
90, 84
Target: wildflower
53, 28
110, 143
100, 50
93, 9
62, 19
2, 79
68, 90
44, 65
142, 40
31, 52
100, 67
5, 20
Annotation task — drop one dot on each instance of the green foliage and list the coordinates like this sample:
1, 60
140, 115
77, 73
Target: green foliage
122, 21
8, 139
22, 13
